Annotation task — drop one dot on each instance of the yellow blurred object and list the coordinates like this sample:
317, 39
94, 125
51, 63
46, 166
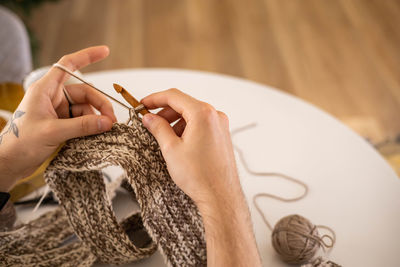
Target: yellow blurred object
390, 150
10, 96
28, 185
3, 123
394, 161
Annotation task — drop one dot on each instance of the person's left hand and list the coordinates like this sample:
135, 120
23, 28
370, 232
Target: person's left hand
41, 122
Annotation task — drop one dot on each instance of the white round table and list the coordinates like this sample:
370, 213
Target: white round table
352, 189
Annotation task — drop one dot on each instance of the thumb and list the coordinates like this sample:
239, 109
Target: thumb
80, 126
161, 130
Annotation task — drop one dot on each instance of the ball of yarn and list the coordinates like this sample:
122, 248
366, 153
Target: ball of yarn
295, 239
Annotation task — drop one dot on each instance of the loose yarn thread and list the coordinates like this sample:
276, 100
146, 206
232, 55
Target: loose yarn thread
294, 237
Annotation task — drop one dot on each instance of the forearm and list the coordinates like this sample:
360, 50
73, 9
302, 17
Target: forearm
229, 234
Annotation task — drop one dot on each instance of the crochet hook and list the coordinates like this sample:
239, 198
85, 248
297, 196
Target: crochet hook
139, 107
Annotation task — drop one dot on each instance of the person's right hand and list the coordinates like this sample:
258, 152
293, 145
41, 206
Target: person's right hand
199, 156
198, 149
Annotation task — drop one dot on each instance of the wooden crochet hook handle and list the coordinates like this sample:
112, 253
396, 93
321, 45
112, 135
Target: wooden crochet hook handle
128, 97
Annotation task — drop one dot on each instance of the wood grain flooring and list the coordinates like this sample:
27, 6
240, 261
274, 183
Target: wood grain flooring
341, 55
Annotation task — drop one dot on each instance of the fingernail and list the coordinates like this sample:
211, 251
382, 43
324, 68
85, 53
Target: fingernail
99, 124
147, 119
102, 124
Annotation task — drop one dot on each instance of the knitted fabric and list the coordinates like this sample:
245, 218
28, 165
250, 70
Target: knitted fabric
44, 242
170, 217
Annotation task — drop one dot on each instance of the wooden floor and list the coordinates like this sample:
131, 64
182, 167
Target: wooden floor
341, 55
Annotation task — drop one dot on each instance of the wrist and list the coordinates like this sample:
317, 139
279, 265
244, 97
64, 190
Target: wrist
7, 176
226, 198
222, 207
221, 210
229, 232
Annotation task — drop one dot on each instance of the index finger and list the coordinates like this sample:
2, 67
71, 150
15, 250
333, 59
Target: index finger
76, 61
177, 100
84, 94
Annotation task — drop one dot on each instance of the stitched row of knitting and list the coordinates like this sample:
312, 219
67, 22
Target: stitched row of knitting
169, 216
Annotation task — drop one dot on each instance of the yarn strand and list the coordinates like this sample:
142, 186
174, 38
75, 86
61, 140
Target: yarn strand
294, 225
266, 174
331, 238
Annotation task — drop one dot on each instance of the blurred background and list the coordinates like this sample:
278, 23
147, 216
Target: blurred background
341, 55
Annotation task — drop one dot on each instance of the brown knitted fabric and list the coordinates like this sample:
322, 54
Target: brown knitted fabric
44, 242
169, 216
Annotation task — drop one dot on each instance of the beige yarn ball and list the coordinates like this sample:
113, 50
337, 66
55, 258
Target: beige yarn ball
295, 239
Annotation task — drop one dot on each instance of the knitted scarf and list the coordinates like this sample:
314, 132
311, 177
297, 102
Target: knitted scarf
168, 215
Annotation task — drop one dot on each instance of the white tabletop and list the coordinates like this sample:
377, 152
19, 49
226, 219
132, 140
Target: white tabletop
352, 189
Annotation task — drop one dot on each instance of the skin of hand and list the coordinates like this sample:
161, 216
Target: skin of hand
200, 159
45, 123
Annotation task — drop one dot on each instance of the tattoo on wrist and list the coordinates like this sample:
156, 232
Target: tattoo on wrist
11, 126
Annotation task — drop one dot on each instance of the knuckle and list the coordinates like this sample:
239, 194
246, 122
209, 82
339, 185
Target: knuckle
67, 61
207, 111
223, 117
174, 90
64, 59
